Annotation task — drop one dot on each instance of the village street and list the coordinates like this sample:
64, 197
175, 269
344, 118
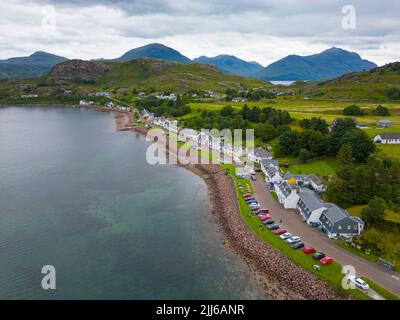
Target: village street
292, 221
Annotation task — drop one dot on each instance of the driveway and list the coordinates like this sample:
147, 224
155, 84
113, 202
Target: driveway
292, 221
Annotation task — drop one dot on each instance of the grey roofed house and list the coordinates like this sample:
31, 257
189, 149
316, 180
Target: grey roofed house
337, 221
271, 172
384, 123
309, 202
261, 153
268, 163
285, 188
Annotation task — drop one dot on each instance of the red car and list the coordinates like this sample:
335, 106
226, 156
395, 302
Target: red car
280, 231
308, 250
266, 211
265, 217
247, 195
326, 260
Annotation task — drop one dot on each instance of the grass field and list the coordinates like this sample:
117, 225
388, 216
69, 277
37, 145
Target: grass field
324, 167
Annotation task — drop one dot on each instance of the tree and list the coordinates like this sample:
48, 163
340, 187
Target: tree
353, 110
266, 132
338, 129
304, 155
361, 145
381, 111
226, 111
345, 154
375, 211
288, 143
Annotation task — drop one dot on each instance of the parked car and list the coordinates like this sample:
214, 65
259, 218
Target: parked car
248, 195
293, 239
318, 255
314, 224
249, 200
262, 214
285, 236
263, 211
326, 260
254, 206
359, 283
273, 226
308, 250
253, 177
270, 221
280, 231
266, 217
298, 245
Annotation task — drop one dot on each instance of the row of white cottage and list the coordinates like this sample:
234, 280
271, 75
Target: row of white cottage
207, 138
333, 220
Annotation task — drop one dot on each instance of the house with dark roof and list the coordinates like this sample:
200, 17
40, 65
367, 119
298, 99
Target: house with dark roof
287, 194
310, 205
387, 138
337, 222
384, 123
258, 154
273, 175
316, 183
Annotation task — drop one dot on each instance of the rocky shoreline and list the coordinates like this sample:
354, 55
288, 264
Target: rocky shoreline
280, 277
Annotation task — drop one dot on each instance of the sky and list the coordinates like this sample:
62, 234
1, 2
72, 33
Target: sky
254, 30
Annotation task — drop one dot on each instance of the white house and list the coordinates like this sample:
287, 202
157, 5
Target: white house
273, 176
287, 195
387, 138
258, 154
316, 183
310, 205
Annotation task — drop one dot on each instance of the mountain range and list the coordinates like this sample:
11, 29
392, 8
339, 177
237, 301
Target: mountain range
32, 66
232, 65
328, 64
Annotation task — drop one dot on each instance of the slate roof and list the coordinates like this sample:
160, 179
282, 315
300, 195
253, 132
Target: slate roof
285, 188
337, 220
311, 200
389, 135
267, 163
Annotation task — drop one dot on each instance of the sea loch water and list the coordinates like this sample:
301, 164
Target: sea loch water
77, 195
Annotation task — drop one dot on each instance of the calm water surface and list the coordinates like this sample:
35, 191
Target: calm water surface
77, 195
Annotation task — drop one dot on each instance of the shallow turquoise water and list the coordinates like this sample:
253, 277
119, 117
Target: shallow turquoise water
77, 195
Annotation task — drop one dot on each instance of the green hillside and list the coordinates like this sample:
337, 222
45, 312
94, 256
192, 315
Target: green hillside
140, 74
381, 83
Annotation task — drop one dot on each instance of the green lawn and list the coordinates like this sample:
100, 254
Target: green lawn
331, 273
324, 167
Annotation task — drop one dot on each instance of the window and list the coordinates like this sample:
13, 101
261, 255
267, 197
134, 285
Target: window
348, 227
340, 227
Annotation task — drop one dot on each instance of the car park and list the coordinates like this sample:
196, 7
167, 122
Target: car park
308, 250
318, 255
293, 239
298, 245
326, 260
280, 231
285, 236
273, 226
359, 283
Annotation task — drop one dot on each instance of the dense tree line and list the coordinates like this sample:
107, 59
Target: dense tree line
162, 107
252, 94
268, 123
357, 184
312, 143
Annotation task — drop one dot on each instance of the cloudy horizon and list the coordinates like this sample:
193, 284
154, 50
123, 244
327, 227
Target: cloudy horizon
258, 30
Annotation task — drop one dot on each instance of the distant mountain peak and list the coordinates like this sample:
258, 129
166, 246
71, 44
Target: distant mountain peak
230, 64
328, 64
155, 51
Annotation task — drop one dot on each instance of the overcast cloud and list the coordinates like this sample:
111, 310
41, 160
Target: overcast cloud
257, 30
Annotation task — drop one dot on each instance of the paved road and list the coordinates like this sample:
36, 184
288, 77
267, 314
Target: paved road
292, 221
